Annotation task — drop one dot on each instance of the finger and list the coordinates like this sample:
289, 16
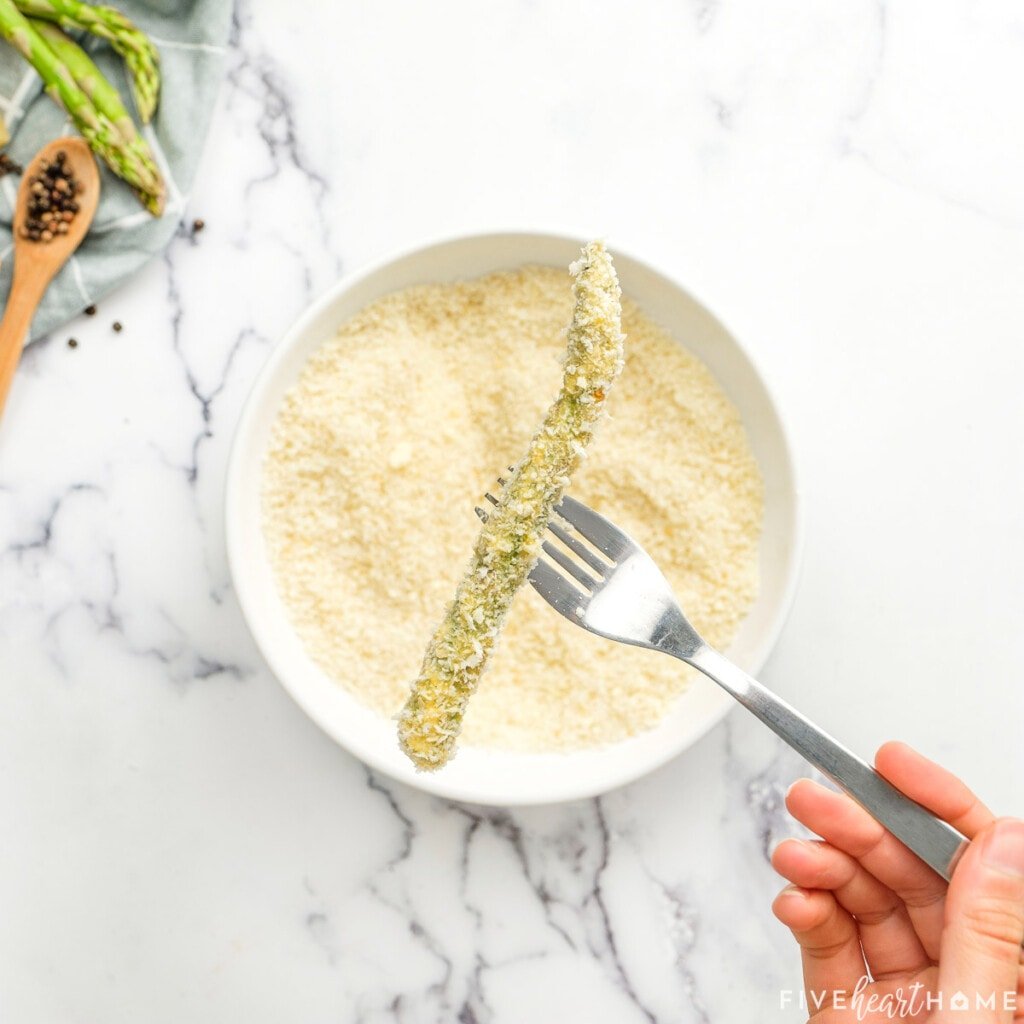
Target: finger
933, 787
985, 921
827, 936
846, 825
891, 946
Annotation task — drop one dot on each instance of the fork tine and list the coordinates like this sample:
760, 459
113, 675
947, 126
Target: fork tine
605, 536
602, 534
558, 591
581, 551
568, 565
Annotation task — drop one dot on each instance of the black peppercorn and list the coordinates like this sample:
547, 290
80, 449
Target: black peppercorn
51, 207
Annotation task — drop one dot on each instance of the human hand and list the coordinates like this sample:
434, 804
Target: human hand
882, 937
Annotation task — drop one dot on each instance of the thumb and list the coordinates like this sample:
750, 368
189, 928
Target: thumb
984, 926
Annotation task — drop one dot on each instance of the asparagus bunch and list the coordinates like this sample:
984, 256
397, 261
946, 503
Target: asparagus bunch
136, 163
74, 81
138, 51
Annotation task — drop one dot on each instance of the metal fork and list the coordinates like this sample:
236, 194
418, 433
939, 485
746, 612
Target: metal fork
610, 586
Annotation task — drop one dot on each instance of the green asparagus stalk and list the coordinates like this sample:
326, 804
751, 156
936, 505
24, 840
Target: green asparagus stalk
97, 129
107, 101
138, 51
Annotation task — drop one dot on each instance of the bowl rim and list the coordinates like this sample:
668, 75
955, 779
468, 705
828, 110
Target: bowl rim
435, 783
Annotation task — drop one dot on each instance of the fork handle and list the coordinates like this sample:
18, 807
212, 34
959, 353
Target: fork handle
938, 844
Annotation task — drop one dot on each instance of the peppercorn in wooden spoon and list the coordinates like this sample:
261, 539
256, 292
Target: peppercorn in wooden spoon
56, 203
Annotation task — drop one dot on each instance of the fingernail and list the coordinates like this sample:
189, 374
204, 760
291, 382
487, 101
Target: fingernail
1004, 848
792, 891
803, 844
798, 782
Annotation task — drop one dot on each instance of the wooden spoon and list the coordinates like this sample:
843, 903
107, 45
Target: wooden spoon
36, 263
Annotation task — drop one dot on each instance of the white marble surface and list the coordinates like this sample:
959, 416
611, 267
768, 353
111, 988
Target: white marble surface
842, 182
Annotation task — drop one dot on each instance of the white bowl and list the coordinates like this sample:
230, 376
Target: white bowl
484, 776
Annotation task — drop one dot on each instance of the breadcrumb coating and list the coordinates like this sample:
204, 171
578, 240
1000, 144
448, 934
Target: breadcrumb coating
509, 542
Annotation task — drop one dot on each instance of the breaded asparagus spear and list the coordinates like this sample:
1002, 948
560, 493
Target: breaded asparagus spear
510, 540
